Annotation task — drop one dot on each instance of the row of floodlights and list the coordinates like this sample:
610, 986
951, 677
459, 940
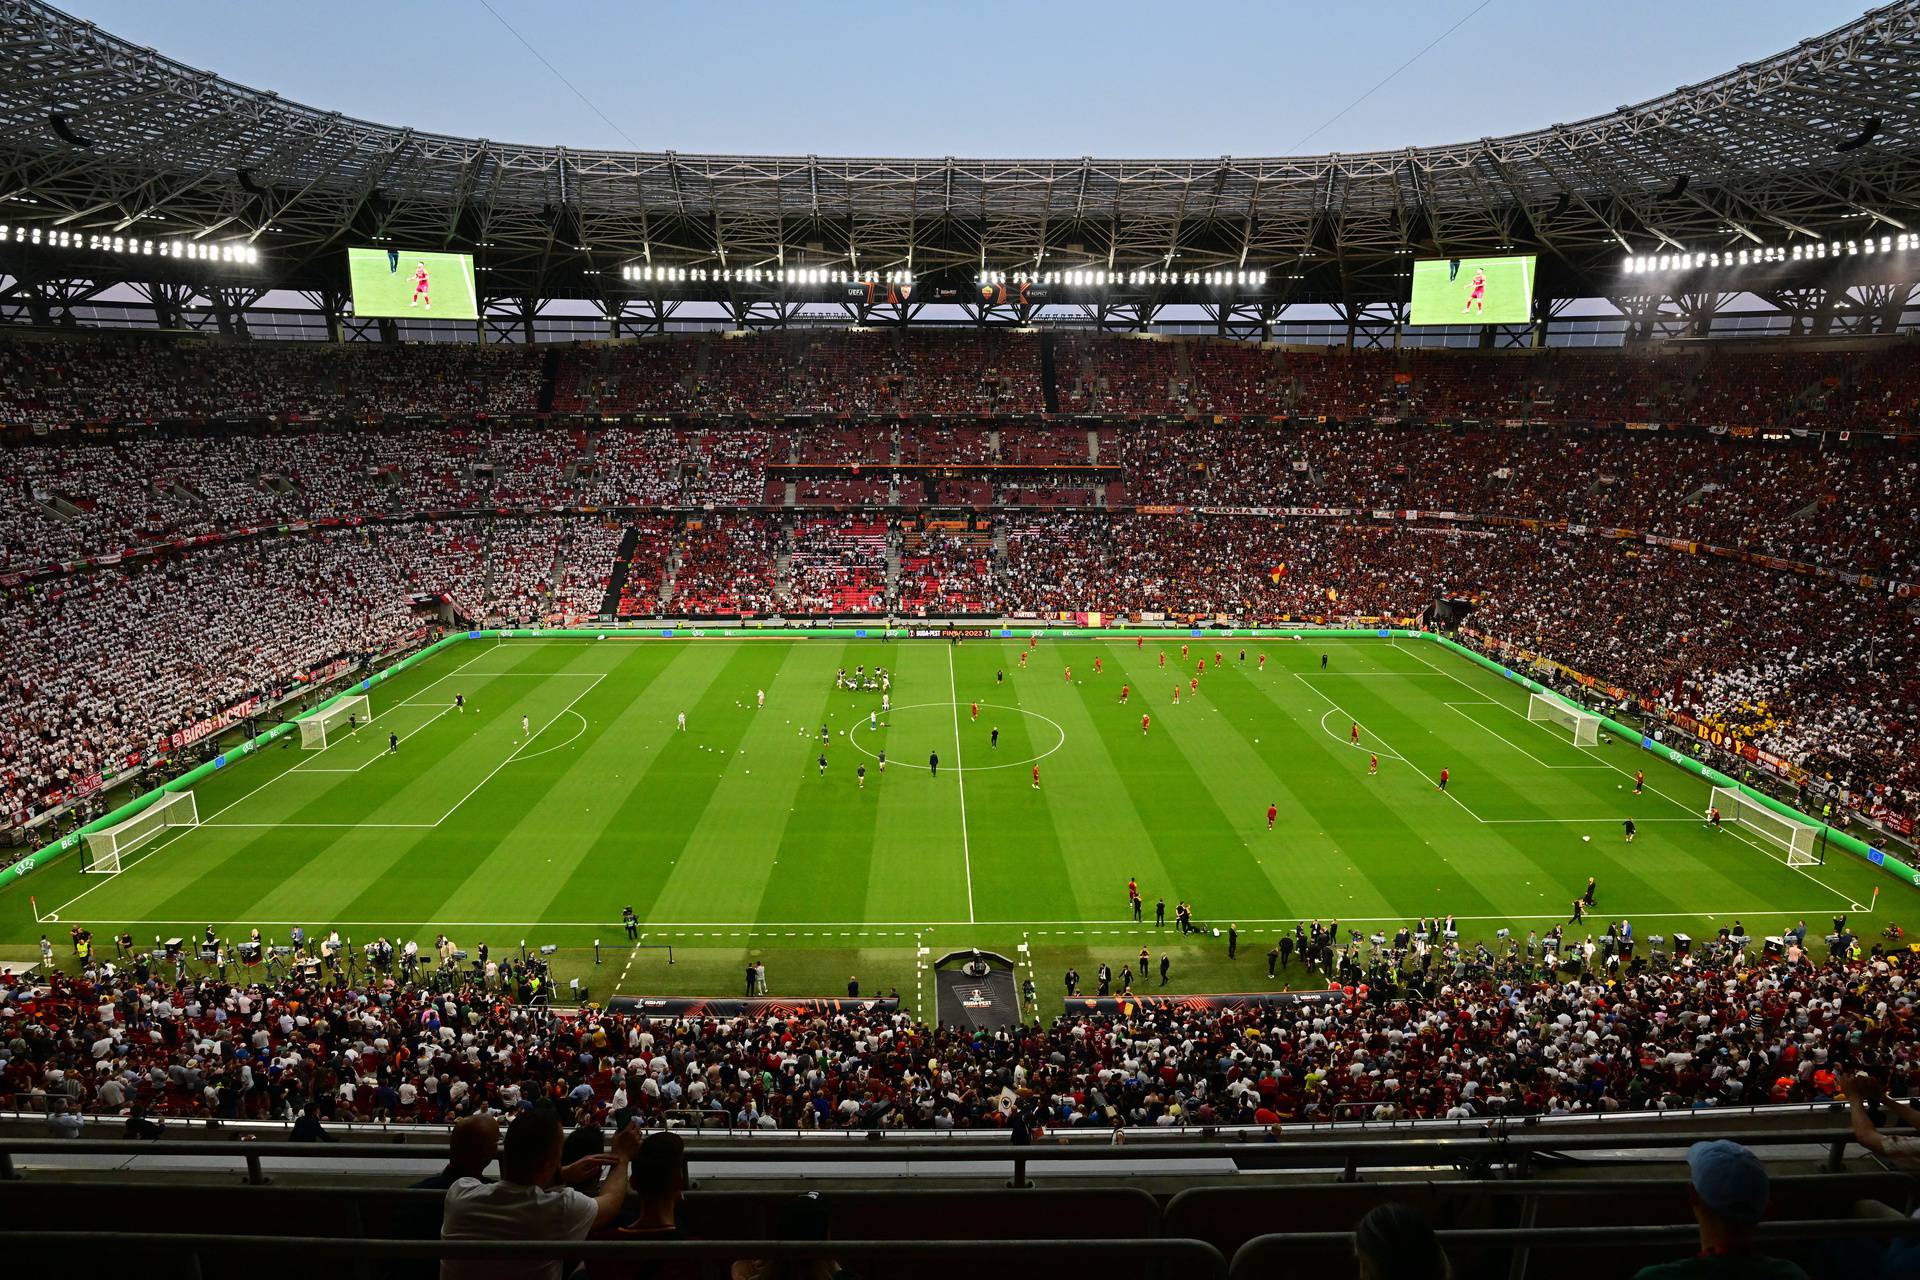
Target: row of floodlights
131, 246
757, 275
1100, 279
1806, 251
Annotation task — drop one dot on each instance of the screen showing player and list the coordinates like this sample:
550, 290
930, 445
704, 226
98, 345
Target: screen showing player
408, 282
1472, 291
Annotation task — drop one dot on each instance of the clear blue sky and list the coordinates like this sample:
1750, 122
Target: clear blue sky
982, 78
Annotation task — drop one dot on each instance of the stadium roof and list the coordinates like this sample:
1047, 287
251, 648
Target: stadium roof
101, 136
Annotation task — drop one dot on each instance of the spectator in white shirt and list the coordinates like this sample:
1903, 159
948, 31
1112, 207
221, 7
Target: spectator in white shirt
532, 1201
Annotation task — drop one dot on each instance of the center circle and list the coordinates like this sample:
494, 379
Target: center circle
943, 731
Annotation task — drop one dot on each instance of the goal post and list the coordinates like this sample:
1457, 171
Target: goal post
1798, 840
1583, 725
318, 729
105, 850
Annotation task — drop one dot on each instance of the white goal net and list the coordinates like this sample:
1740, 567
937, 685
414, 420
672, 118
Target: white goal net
1583, 725
343, 716
106, 849
1798, 840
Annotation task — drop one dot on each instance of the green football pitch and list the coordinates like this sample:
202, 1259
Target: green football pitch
730, 843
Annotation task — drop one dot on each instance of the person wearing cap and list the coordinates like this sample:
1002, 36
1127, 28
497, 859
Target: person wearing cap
1729, 1197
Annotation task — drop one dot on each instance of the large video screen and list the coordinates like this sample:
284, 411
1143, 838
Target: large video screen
408, 282
1472, 291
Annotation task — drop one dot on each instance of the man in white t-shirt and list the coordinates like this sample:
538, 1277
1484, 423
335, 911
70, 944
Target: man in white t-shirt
532, 1201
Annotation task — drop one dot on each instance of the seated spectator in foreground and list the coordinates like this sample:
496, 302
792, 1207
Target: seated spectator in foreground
1902, 1257
1393, 1242
657, 1183
582, 1141
801, 1219
1729, 1196
1860, 1089
532, 1200
471, 1147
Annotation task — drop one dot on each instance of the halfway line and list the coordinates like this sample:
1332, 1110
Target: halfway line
960, 773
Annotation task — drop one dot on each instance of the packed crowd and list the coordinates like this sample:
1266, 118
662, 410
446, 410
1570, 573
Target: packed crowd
1440, 1036
48, 383
1842, 506
115, 668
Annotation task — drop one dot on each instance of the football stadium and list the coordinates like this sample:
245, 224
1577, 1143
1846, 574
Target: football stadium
579, 711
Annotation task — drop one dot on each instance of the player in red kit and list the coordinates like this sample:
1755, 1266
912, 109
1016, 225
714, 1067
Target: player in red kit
1176, 695
1146, 723
1443, 779
1354, 737
1373, 765
976, 711
1273, 812
1477, 296
1163, 657
1639, 780
1183, 653
1096, 666
420, 287
1263, 662
1139, 643
1216, 657
1193, 684
1123, 693
1069, 674
1036, 775
1202, 668
1023, 659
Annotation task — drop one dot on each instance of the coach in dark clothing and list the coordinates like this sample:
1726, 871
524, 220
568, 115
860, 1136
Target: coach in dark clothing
306, 1128
933, 763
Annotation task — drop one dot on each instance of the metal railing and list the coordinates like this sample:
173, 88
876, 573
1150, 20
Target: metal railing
1512, 1153
1258, 1257
1189, 1259
196, 1255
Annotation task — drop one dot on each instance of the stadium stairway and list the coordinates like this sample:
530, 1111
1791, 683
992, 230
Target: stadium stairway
617, 580
549, 377
1049, 379
893, 568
